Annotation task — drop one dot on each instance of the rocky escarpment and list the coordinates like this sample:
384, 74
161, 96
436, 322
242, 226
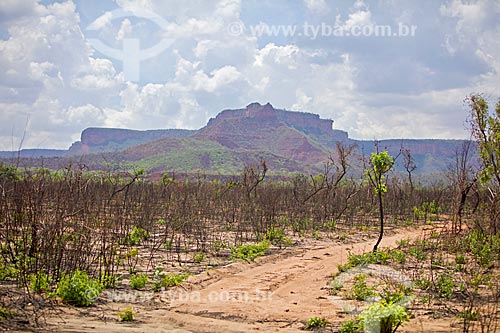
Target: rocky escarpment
95, 140
294, 135
256, 117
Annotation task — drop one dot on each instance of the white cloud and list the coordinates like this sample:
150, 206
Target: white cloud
15, 9
277, 55
360, 16
125, 30
317, 7
371, 87
85, 115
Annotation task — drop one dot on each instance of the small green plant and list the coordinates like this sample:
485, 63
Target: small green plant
315, 234
351, 326
78, 289
315, 323
399, 256
460, 259
331, 225
380, 257
361, 291
139, 281
485, 249
40, 282
469, 315
127, 314
445, 286
383, 317
168, 280
7, 272
423, 283
381, 164
218, 246
403, 243
198, 257
136, 236
250, 252
336, 286
132, 253
398, 296
168, 244
108, 280
4, 313
417, 252
277, 237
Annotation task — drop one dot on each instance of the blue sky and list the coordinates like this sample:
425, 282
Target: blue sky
214, 55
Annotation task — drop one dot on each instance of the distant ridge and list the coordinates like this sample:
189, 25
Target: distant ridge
33, 153
99, 140
289, 142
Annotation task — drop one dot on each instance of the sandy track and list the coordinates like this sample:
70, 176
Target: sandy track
272, 294
280, 293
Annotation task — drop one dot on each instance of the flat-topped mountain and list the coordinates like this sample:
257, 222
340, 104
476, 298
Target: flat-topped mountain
289, 141
96, 140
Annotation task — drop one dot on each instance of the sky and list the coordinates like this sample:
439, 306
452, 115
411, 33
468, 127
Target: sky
380, 69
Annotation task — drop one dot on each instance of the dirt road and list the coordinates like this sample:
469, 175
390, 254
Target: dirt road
275, 293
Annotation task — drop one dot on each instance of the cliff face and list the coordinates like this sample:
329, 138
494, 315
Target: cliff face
94, 140
266, 115
256, 117
296, 135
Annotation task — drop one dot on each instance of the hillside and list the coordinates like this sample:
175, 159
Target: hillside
288, 141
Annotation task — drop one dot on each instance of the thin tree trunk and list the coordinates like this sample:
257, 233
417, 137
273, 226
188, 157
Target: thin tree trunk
381, 211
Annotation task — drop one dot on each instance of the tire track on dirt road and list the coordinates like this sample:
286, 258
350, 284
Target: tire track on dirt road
279, 293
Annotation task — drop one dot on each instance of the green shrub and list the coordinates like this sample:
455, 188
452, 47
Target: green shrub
40, 282
4, 313
460, 259
417, 252
383, 317
361, 291
423, 283
378, 257
351, 326
445, 286
198, 257
138, 281
78, 289
403, 243
343, 268
127, 314
136, 236
168, 280
469, 315
395, 297
316, 322
277, 237
108, 280
7, 272
484, 248
250, 252
399, 256
132, 253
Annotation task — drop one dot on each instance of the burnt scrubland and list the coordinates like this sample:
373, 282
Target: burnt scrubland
75, 238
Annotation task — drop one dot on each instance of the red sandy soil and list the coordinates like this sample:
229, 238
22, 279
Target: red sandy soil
276, 293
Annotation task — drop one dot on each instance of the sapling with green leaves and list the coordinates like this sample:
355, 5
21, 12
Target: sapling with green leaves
380, 164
